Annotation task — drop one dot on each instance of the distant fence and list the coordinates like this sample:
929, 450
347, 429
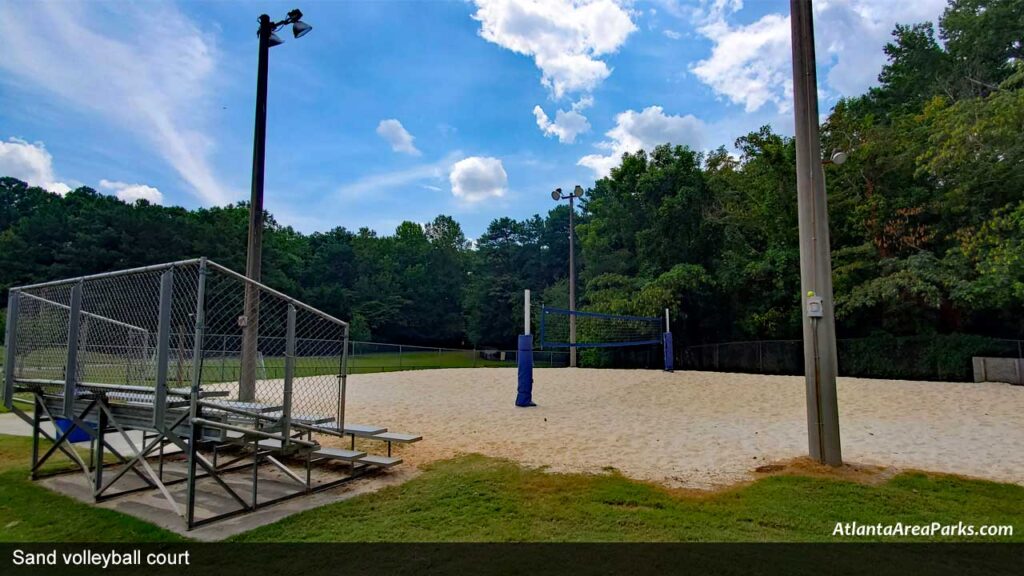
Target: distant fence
376, 357
367, 357
941, 357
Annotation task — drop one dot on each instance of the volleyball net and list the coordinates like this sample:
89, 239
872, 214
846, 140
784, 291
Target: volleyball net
560, 328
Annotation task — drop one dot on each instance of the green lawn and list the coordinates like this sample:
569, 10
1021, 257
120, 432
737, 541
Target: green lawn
475, 498
30, 513
110, 369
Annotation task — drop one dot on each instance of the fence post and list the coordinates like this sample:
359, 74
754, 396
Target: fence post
289, 373
343, 379
11, 341
163, 347
223, 355
71, 367
399, 356
760, 358
199, 334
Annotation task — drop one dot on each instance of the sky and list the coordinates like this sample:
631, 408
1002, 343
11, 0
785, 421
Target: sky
393, 111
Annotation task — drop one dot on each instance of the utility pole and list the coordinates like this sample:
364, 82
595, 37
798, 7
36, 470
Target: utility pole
572, 280
250, 320
254, 252
556, 196
819, 330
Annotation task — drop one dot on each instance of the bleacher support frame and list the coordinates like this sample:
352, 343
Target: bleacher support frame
50, 366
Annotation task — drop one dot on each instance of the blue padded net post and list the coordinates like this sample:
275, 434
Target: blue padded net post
525, 360
667, 344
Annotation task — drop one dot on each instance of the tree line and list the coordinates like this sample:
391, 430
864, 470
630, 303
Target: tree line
927, 220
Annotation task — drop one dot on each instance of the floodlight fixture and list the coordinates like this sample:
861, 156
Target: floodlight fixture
254, 250
556, 195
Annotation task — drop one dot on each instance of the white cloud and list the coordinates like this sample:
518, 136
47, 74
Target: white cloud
566, 38
397, 136
644, 130
751, 64
132, 192
31, 163
672, 34
147, 69
568, 123
477, 178
376, 183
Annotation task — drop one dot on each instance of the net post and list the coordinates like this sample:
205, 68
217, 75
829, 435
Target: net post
163, 347
526, 312
667, 346
71, 367
524, 359
11, 341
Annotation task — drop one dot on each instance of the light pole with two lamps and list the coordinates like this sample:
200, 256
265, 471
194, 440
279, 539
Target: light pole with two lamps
556, 195
249, 322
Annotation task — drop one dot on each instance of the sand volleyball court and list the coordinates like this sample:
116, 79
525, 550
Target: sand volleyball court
691, 429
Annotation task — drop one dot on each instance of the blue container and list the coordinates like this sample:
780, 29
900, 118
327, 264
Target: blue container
77, 435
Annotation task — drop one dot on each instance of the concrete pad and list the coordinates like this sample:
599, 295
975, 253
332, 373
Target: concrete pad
151, 506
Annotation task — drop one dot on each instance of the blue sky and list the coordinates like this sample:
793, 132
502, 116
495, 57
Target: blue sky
392, 111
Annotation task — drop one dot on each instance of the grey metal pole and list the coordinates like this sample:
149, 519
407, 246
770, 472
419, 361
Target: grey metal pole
572, 281
197, 339
71, 367
11, 341
289, 373
253, 262
815, 256
343, 380
163, 348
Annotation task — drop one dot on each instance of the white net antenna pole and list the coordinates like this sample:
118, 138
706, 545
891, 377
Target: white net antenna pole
668, 327
526, 312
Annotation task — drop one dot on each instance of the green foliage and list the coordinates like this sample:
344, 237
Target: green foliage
934, 357
926, 220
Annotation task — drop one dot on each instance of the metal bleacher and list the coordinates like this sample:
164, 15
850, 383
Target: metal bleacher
172, 350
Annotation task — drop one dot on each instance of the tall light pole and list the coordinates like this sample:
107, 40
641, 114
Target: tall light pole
556, 195
249, 322
819, 328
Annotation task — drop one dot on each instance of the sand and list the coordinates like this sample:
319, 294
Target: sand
691, 429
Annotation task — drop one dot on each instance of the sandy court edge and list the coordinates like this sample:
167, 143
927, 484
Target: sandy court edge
699, 430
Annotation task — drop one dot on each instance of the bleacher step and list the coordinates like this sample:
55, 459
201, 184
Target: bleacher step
273, 444
339, 454
364, 430
310, 419
380, 461
398, 437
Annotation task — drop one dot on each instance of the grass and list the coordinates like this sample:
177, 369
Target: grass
475, 498
31, 513
111, 369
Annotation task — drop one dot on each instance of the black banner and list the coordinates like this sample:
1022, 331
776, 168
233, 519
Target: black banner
532, 559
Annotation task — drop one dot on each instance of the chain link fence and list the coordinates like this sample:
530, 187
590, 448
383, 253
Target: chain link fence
944, 357
366, 357
186, 324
